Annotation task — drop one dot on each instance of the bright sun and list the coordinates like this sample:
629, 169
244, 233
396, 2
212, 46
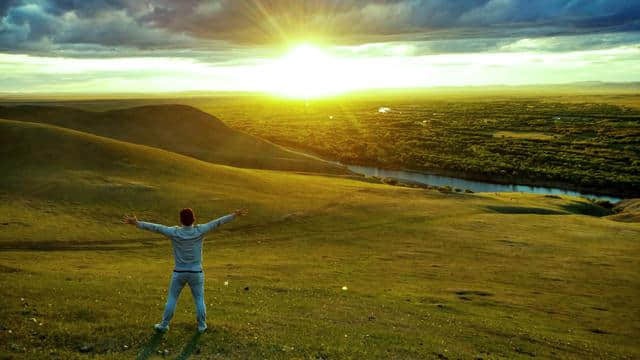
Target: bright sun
306, 72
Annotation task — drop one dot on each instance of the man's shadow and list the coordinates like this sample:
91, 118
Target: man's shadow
150, 346
190, 346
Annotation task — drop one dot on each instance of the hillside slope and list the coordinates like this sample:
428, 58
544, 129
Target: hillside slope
178, 128
46, 167
60, 168
627, 210
428, 275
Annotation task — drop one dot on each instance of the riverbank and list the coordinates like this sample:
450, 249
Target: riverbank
465, 184
476, 181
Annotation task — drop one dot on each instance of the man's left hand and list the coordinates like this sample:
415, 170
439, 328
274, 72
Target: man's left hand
131, 220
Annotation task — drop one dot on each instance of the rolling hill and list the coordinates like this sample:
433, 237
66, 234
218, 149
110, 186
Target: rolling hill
177, 128
427, 274
59, 167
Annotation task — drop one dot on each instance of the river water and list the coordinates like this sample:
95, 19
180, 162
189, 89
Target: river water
477, 186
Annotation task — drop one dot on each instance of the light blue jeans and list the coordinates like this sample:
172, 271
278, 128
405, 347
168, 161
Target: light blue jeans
196, 283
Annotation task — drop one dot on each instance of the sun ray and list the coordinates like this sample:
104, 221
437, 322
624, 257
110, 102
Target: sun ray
271, 20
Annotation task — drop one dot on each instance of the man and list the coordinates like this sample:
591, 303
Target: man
187, 254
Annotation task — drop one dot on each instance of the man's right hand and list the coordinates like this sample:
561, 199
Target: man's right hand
240, 212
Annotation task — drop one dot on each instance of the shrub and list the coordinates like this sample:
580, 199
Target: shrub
605, 204
390, 181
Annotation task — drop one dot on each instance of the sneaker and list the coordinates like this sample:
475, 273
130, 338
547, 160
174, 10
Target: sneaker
161, 329
201, 330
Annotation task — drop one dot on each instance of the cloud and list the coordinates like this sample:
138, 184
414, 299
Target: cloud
37, 26
206, 27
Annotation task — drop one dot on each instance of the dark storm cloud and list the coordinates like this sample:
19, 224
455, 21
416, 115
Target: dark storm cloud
129, 27
351, 20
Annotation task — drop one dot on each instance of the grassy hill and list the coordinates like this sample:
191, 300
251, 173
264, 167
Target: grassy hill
627, 211
428, 275
178, 128
63, 167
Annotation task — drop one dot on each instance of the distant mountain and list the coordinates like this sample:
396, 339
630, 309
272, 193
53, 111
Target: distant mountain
586, 85
589, 87
177, 128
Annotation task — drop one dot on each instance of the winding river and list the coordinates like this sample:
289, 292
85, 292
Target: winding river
437, 180
477, 186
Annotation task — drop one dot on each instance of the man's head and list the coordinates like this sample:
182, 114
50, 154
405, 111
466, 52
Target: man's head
187, 217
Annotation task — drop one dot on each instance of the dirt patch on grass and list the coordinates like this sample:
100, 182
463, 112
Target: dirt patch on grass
115, 244
8, 269
10, 223
473, 292
524, 135
524, 210
513, 243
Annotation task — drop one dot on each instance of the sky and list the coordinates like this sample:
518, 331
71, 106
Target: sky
312, 47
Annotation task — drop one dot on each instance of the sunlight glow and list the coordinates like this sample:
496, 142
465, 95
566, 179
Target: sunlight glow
306, 72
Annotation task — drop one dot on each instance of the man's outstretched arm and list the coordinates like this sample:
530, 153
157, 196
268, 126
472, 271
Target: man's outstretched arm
222, 220
161, 229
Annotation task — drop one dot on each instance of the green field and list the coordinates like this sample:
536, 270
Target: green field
589, 146
428, 274
587, 141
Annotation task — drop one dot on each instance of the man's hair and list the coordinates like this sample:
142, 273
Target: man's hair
186, 217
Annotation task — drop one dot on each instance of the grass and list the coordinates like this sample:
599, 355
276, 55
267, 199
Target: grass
627, 210
429, 275
177, 128
579, 139
569, 138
